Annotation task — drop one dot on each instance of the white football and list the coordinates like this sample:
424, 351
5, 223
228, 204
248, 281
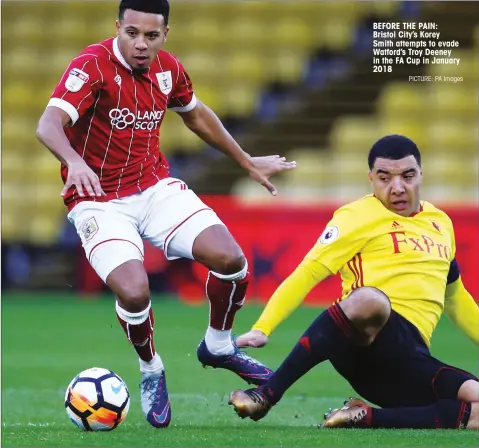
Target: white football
97, 400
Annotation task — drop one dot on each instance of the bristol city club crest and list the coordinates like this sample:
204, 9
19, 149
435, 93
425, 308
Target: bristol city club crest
165, 81
89, 229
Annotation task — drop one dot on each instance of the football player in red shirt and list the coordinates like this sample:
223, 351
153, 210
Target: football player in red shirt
102, 122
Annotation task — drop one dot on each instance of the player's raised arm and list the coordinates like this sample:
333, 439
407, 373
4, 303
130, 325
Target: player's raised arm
201, 120
340, 241
204, 123
459, 305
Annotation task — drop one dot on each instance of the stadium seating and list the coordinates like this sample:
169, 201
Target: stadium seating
231, 86
233, 51
441, 117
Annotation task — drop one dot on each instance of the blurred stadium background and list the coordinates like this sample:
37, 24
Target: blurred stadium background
287, 77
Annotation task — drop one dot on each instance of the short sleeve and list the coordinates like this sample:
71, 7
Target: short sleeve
454, 272
183, 98
344, 236
78, 87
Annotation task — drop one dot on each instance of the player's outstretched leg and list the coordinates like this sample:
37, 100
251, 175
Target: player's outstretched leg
226, 291
446, 414
333, 331
133, 308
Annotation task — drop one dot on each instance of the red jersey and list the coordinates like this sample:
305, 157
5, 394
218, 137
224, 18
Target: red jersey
116, 115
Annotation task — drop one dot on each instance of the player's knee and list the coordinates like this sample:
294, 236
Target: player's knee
216, 249
129, 282
135, 297
369, 305
228, 262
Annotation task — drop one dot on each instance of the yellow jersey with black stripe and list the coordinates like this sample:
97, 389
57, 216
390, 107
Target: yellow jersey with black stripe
408, 258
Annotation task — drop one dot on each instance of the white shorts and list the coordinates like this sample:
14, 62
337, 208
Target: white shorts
168, 215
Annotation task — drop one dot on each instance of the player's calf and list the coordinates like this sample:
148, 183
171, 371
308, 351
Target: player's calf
443, 414
469, 393
368, 309
133, 308
134, 312
473, 422
226, 284
226, 288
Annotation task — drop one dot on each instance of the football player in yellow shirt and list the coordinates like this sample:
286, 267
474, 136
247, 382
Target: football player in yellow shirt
396, 257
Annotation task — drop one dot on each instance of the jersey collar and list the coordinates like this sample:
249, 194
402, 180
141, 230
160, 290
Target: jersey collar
417, 213
118, 55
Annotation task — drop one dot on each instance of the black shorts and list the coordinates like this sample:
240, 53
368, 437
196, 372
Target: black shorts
397, 369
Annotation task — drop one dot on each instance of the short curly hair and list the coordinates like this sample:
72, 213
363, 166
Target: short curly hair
393, 147
149, 6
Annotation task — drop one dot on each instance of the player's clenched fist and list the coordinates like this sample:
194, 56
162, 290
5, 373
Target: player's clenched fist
265, 167
82, 177
253, 338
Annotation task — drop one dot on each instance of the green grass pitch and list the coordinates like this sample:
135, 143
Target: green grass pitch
46, 341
